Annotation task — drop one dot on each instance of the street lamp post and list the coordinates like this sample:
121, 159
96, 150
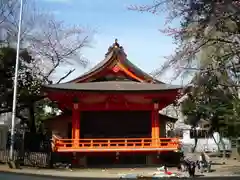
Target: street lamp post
16, 82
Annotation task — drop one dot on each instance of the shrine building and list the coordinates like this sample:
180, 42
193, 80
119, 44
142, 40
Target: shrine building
112, 113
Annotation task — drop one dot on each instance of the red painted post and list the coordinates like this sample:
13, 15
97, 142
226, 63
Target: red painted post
76, 124
155, 124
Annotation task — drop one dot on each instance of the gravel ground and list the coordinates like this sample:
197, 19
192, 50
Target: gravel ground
230, 168
14, 176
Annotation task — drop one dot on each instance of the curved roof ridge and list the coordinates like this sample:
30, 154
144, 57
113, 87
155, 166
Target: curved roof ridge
141, 71
115, 86
97, 67
115, 51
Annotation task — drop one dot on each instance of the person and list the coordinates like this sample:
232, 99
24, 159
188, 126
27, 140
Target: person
190, 165
201, 162
182, 165
204, 162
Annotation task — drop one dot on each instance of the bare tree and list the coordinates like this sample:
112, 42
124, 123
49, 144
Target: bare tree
49, 41
56, 45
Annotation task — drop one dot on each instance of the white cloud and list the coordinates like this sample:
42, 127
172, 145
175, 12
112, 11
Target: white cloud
58, 1
55, 12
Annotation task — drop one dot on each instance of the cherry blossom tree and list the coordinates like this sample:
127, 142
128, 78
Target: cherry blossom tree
50, 43
207, 30
208, 47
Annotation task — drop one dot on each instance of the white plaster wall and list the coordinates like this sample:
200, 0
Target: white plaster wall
204, 144
5, 125
6, 120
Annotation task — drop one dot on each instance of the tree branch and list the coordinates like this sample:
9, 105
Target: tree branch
62, 78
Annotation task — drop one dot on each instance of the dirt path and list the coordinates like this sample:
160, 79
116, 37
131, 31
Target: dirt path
231, 167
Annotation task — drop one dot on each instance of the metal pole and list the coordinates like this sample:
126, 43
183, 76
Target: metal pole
16, 82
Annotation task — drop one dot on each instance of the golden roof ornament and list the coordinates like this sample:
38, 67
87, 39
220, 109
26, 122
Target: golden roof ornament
116, 45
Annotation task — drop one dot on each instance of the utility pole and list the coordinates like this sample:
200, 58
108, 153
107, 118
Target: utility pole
14, 105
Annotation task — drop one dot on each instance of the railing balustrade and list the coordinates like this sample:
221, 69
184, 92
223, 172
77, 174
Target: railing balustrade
116, 143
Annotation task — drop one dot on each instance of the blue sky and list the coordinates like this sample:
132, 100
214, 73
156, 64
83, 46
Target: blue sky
137, 32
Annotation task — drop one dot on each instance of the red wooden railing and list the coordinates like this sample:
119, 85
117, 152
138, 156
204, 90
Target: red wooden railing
116, 144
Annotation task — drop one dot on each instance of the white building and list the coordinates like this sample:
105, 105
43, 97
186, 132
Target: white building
5, 125
204, 143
